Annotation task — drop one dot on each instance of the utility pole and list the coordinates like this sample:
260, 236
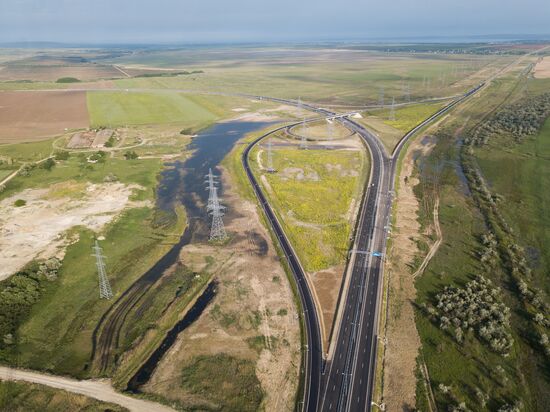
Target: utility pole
105, 291
270, 167
381, 97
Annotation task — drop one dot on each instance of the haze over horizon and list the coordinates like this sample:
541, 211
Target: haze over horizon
171, 21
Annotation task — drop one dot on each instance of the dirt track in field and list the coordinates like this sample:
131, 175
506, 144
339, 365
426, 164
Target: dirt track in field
28, 116
100, 390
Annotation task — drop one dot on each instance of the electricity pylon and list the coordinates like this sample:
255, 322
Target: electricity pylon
105, 291
392, 110
330, 127
408, 92
211, 182
217, 230
303, 140
270, 167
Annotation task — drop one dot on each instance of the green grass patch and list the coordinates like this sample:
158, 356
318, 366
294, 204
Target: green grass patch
57, 334
224, 382
122, 108
521, 184
312, 192
27, 152
470, 372
408, 117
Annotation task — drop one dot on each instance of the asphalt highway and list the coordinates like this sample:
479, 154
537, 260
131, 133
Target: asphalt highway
345, 381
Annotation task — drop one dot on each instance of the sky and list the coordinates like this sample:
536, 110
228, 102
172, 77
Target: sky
220, 21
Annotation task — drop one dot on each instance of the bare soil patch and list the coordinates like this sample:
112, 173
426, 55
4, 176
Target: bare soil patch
327, 284
542, 69
403, 341
28, 116
36, 230
251, 317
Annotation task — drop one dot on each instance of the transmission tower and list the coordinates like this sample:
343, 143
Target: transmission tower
392, 109
330, 127
211, 182
303, 140
105, 291
217, 230
381, 97
270, 167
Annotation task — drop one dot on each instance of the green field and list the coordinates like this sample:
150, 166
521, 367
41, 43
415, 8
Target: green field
27, 152
522, 184
471, 372
408, 117
314, 207
31, 397
56, 335
123, 108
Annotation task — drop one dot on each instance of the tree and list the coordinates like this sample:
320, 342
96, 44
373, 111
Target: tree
130, 155
48, 164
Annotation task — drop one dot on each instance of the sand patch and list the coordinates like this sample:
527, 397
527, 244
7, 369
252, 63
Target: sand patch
252, 284
37, 229
403, 341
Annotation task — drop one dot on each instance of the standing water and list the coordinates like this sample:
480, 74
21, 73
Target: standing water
184, 182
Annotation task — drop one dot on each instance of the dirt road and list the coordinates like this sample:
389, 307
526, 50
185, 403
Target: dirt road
95, 389
437, 243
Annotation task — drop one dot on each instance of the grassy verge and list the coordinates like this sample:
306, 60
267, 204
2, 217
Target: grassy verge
406, 118
233, 162
311, 192
31, 397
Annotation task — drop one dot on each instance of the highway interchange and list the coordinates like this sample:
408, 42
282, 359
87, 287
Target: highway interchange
344, 381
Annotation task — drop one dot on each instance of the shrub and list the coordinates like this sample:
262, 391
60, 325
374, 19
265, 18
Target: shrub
47, 164
130, 155
110, 142
67, 80
19, 293
19, 203
520, 120
476, 306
